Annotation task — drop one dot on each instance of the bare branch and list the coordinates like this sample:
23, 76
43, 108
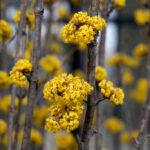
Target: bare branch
85, 137
34, 79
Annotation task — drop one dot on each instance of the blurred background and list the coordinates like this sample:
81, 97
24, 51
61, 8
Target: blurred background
126, 35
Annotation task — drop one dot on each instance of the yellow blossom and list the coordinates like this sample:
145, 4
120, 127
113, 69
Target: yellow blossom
3, 126
141, 16
82, 26
48, 1
30, 19
124, 60
62, 12
125, 137
119, 3
5, 31
81, 46
140, 93
70, 142
140, 50
127, 77
50, 64
66, 93
106, 88
4, 80
114, 125
17, 76
56, 47
100, 73
40, 114
5, 138
118, 96
5, 103
79, 73
35, 138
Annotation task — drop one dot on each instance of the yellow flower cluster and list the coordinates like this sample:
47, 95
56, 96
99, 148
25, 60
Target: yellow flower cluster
35, 138
100, 73
5, 138
115, 94
114, 125
5, 103
30, 19
82, 46
50, 64
56, 47
106, 87
127, 137
3, 126
40, 114
76, 2
123, 59
66, 93
119, 3
5, 31
140, 50
66, 141
82, 26
140, 93
48, 1
142, 16
4, 80
62, 12
79, 73
127, 76
17, 76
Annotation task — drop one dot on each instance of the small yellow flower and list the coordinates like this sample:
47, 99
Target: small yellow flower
141, 16
140, 50
82, 26
70, 142
62, 12
125, 137
35, 138
50, 64
114, 125
17, 76
5, 31
30, 19
118, 3
3, 126
127, 77
4, 80
106, 88
118, 96
5, 103
66, 94
100, 73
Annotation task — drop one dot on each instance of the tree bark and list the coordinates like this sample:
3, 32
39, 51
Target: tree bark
86, 133
34, 79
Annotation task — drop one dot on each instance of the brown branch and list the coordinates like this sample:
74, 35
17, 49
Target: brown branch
34, 79
85, 137
141, 137
101, 60
17, 128
11, 117
12, 109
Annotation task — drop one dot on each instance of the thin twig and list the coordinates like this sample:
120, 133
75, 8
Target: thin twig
34, 79
141, 137
85, 137
12, 109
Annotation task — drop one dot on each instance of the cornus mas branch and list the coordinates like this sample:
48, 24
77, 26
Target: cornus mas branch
141, 137
34, 79
91, 79
22, 27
